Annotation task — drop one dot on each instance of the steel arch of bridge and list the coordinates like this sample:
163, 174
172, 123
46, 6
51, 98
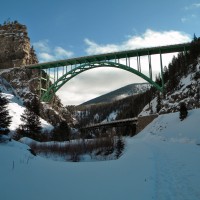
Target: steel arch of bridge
82, 64
47, 96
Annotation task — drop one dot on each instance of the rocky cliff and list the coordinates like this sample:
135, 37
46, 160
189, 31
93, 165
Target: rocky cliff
15, 52
15, 48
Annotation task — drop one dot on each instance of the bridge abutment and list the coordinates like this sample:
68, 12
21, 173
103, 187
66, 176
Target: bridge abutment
143, 121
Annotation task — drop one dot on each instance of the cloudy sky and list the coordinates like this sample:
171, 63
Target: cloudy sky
71, 28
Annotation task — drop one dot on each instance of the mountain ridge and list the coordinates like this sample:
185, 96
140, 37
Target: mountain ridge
120, 93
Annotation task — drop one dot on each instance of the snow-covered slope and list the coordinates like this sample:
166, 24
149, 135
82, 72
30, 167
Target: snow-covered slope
15, 106
169, 128
162, 162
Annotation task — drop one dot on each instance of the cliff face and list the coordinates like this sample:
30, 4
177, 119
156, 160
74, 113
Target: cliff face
15, 48
15, 52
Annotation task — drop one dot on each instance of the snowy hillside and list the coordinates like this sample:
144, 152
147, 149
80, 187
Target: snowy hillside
162, 162
15, 106
188, 92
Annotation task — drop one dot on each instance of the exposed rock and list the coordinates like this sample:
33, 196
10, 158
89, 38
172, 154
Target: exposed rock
15, 48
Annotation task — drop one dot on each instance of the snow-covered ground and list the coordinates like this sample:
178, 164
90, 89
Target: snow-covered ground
162, 162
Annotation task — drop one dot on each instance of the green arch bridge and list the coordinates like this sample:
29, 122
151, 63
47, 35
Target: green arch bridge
53, 75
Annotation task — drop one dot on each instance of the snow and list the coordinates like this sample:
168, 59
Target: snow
185, 81
147, 110
111, 117
161, 162
16, 109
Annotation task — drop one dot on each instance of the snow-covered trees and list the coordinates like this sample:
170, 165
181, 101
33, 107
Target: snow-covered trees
5, 118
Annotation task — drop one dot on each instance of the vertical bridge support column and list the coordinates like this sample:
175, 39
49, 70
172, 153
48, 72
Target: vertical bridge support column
150, 67
161, 67
138, 63
40, 82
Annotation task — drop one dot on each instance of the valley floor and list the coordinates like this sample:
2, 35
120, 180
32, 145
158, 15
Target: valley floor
162, 162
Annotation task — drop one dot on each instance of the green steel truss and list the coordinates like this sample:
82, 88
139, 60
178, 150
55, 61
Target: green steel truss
72, 67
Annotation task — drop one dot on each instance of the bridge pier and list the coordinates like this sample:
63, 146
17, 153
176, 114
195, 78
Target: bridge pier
161, 68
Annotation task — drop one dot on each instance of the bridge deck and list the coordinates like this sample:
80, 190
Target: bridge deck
113, 56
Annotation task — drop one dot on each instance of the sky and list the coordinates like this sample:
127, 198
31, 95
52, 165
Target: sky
65, 29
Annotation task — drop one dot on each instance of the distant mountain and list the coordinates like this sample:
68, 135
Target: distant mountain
120, 93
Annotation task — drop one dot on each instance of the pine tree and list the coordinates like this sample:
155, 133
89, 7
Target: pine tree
195, 38
5, 118
119, 147
183, 111
31, 126
158, 107
61, 132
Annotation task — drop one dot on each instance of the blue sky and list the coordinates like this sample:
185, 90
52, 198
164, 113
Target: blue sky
71, 28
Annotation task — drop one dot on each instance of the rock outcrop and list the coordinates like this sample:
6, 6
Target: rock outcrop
15, 48
16, 52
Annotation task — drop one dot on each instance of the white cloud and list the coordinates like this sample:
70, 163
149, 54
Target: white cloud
192, 6
45, 57
196, 5
93, 83
184, 19
42, 46
61, 53
46, 53
94, 48
189, 18
149, 39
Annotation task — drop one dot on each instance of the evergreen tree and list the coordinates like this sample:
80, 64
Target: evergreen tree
195, 38
194, 50
61, 132
158, 107
183, 111
34, 106
198, 95
119, 147
31, 126
5, 118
